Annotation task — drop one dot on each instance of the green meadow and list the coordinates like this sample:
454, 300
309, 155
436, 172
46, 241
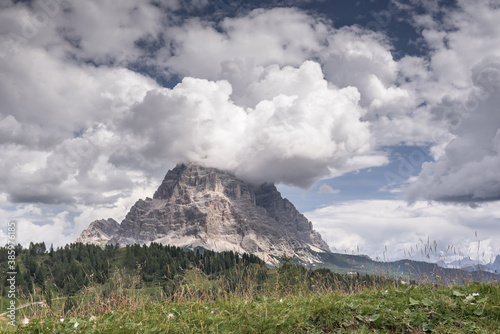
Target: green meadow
208, 292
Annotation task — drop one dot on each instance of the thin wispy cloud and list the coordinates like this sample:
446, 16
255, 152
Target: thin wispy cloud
326, 189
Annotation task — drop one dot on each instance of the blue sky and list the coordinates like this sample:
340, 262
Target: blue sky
379, 120
385, 182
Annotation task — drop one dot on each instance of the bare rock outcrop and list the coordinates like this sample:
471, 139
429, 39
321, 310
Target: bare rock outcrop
204, 207
99, 232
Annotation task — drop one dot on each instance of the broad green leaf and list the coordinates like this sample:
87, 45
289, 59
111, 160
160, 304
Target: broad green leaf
427, 302
352, 306
482, 300
374, 317
427, 327
478, 312
360, 317
414, 302
458, 293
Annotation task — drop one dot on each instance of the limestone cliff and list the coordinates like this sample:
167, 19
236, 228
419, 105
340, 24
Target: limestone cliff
204, 207
99, 232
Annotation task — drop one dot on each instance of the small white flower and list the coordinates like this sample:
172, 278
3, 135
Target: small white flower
93, 318
475, 294
76, 324
61, 320
170, 315
25, 321
469, 297
281, 300
211, 312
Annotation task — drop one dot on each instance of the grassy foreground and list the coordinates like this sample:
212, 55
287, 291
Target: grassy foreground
474, 308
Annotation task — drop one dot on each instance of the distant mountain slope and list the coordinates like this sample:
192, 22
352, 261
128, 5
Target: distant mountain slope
469, 264
404, 269
99, 232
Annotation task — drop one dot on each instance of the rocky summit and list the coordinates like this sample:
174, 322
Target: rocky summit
204, 207
99, 232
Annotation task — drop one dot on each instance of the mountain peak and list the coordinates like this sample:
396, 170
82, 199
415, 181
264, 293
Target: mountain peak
99, 232
198, 206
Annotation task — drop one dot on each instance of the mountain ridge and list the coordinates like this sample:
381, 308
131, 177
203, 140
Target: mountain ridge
206, 207
99, 232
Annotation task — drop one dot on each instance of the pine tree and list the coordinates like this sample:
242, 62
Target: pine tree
41, 248
32, 249
29, 284
39, 276
20, 278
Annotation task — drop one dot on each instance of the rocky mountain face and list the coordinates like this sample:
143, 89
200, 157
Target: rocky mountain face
470, 265
205, 207
496, 264
99, 232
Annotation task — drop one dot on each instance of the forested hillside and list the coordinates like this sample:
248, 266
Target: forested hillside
48, 273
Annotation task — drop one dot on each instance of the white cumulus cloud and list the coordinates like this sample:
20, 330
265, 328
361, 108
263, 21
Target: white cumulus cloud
301, 129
